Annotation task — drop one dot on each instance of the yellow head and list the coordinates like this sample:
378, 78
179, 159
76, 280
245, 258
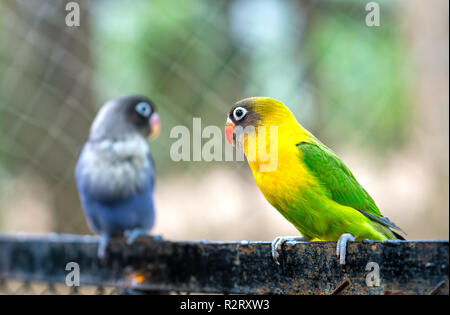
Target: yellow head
261, 111
262, 126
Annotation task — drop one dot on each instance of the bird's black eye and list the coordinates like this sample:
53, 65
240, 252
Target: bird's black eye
144, 109
239, 113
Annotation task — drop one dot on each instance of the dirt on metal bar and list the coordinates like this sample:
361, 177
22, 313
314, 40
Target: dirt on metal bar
151, 265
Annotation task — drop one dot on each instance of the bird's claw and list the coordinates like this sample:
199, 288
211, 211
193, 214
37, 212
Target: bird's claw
134, 234
102, 245
341, 246
277, 245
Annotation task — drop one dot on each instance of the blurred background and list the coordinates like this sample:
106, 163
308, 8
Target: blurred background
378, 96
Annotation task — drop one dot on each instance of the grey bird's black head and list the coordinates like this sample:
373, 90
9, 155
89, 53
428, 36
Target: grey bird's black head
125, 116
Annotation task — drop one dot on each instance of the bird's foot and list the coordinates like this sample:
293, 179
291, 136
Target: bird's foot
133, 234
341, 246
103, 244
278, 242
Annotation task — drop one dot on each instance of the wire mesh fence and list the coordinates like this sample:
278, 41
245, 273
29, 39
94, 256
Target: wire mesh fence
353, 85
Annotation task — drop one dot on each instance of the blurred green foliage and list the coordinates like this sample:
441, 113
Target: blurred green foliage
2, 69
346, 82
361, 80
176, 52
184, 55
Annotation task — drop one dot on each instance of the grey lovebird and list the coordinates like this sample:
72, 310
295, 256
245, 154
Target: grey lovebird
115, 172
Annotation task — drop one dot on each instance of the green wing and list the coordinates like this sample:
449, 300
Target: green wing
340, 183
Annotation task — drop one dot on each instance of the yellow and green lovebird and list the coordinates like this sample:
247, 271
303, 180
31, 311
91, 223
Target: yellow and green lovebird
303, 179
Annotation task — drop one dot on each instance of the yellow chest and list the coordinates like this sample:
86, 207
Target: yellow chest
282, 184
282, 187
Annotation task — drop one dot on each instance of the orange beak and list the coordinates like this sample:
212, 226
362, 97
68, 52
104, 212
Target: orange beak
155, 125
229, 130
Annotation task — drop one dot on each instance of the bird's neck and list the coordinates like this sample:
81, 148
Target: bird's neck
282, 172
271, 143
118, 167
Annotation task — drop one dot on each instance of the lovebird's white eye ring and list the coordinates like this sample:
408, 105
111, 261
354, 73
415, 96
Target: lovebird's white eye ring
144, 109
239, 113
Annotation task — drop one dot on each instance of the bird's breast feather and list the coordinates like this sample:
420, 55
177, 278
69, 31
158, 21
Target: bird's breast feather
115, 168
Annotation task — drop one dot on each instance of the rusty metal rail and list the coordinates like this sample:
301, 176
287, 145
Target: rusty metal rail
392, 267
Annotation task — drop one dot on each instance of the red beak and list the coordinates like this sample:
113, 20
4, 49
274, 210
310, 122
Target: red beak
155, 124
229, 130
